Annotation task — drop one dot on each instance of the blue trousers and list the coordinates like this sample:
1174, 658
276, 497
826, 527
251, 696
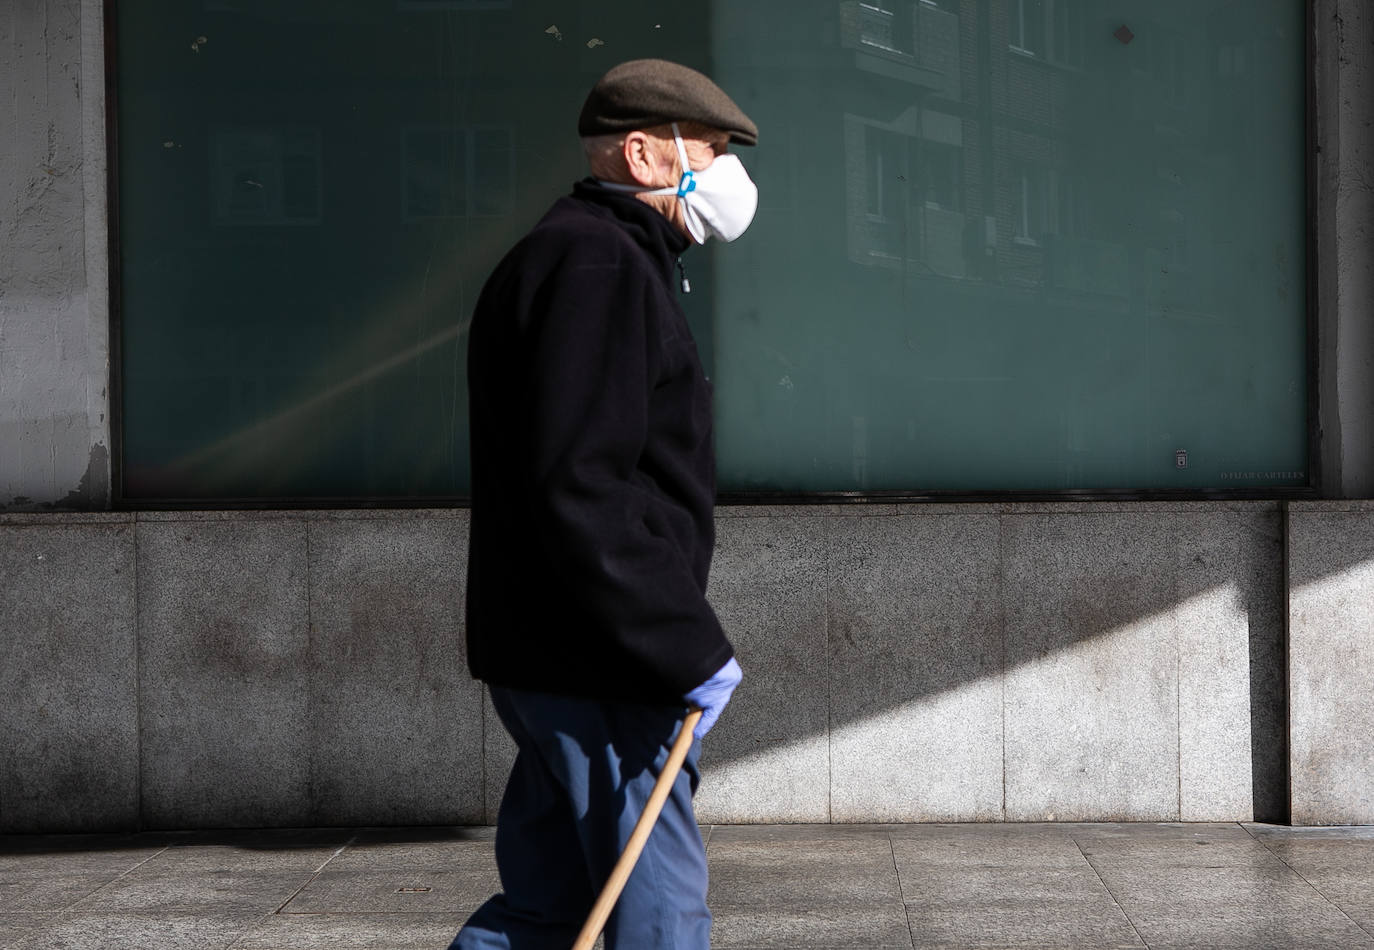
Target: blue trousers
582, 774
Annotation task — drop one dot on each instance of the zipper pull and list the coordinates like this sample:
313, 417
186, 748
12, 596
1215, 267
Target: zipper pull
686, 284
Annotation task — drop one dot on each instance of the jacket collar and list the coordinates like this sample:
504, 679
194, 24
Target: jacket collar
649, 229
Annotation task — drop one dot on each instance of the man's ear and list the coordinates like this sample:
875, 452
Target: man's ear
641, 159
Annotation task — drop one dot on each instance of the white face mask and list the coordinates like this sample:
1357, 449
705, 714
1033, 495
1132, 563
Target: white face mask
718, 201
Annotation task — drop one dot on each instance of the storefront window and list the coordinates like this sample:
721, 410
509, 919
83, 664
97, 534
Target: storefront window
1002, 245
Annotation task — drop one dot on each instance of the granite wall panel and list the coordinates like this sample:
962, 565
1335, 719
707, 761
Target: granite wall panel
224, 658
1092, 667
1229, 621
766, 759
915, 668
395, 719
68, 676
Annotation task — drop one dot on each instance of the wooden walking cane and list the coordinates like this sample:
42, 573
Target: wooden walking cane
601, 910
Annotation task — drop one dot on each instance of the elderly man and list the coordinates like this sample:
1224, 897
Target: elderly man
593, 485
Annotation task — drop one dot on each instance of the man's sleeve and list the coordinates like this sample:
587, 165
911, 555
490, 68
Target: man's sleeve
594, 360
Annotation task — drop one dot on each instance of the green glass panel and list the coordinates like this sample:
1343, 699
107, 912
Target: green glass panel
1018, 244
1002, 244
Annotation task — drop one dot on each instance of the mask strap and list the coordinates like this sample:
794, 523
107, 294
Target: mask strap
688, 182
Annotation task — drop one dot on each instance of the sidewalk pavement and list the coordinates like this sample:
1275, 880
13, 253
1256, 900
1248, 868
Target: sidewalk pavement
798, 886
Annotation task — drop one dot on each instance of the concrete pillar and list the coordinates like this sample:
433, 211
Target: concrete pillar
1345, 244
1331, 662
54, 258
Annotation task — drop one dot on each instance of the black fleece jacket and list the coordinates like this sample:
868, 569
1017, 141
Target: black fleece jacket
593, 471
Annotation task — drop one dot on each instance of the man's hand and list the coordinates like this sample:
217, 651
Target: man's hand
711, 696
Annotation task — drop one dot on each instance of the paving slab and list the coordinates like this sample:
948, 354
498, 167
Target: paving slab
15, 927
1177, 854
352, 932
821, 872
397, 891
1157, 830
188, 931
1005, 886
177, 893
1228, 905
796, 926
804, 886
1318, 855
1203, 887
1350, 890
1010, 846
1033, 924
298, 850
809, 833
48, 890
1361, 913
939, 886
74, 854
1268, 832
1277, 927
429, 848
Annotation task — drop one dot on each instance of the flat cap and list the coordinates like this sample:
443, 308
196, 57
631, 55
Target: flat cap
643, 93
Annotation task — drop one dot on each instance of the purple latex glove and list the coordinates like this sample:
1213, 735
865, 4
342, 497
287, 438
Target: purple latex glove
711, 696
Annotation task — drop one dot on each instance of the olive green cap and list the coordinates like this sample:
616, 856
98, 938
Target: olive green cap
643, 93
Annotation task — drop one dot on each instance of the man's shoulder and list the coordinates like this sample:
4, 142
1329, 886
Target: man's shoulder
577, 232
575, 248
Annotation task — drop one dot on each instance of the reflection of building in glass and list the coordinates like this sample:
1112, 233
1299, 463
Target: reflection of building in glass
1051, 30
913, 194
1039, 205
986, 133
904, 163
910, 41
